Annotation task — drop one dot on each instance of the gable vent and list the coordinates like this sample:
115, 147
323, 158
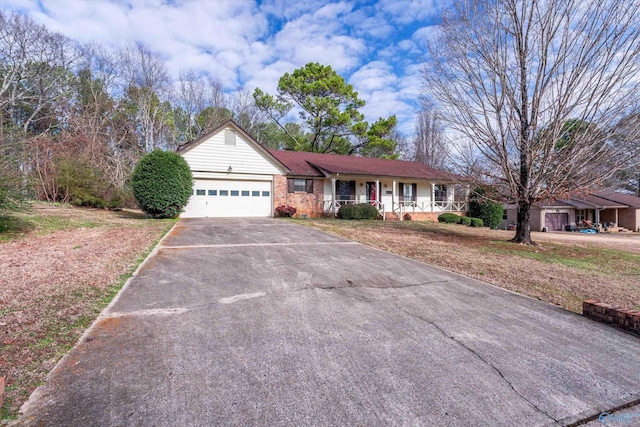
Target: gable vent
229, 137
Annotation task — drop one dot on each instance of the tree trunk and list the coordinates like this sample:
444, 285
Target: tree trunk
523, 226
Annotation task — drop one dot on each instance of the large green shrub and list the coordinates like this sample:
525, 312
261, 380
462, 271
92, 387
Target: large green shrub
162, 184
481, 206
449, 218
358, 211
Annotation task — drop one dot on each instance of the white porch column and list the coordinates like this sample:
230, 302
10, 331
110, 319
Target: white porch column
393, 194
433, 196
378, 196
617, 225
333, 195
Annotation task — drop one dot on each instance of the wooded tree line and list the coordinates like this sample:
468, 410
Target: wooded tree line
75, 118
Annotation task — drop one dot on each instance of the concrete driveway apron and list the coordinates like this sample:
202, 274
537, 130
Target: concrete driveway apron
264, 322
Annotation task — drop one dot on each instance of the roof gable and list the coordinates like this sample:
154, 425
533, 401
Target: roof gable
211, 153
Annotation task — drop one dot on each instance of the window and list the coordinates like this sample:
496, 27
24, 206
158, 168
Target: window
235, 193
200, 192
224, 192
504, 214
408, 194
245, 193
581, 215
440, 193
255, 194
345, 190
265, 194
213, 192
229, 137
299, 185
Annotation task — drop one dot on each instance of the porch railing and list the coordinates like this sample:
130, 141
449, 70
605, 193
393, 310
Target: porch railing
402, 207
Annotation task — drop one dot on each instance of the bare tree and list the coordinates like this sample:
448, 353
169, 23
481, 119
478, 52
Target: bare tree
429, 142
147, 86
538, 86
34, 65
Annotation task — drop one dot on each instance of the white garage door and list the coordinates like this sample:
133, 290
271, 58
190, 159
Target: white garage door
218, 198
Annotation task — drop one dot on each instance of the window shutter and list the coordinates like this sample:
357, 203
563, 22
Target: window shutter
290, 188
401, 192
414, 192
352, 190
309, 186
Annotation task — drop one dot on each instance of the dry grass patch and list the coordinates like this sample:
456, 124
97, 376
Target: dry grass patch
564, 271
60, 266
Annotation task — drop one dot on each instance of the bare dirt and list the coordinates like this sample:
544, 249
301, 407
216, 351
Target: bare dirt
55, 280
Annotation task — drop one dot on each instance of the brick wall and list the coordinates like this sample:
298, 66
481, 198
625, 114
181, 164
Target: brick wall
616, 316
311, 204
428, 216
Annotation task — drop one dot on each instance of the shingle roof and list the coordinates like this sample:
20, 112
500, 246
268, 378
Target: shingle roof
598, 202
627, 199
318, 164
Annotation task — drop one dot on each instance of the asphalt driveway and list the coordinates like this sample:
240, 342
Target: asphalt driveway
264, 322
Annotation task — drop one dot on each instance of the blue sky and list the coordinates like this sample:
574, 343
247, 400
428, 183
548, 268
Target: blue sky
377, 46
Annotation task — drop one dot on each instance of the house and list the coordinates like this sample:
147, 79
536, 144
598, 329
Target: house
234, 176
607, 207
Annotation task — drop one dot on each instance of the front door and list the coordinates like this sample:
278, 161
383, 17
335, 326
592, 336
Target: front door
372, 195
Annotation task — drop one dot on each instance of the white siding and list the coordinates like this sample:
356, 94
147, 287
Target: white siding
213, 155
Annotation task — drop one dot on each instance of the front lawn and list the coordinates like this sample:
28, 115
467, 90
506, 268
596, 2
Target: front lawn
60, 267
563, 269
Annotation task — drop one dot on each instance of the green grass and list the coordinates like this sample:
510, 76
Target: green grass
588, 259
12, 226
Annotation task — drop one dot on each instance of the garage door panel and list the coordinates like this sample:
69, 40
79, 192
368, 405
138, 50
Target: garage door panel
229, 199
556, 221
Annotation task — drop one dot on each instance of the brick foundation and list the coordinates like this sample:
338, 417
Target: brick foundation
616, 316
311, 204
427, 216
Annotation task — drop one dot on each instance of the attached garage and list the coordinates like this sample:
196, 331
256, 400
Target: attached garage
233, 175
214, 198
556, 221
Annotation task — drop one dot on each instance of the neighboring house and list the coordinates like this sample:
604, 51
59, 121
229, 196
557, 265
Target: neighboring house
234, 176
607, 207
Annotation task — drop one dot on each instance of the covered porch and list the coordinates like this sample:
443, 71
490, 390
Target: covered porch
395, 198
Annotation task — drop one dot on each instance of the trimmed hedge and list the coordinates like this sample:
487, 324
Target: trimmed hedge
358, 211
477, 222
449, 218
162, 184
465, 220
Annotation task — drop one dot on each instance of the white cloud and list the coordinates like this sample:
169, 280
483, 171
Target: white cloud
408, 11
373, 76
374, 45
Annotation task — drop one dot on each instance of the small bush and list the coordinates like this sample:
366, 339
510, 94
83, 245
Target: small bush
465, 220
358, 211
162, 183
477, 222
284, 211
449, 218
